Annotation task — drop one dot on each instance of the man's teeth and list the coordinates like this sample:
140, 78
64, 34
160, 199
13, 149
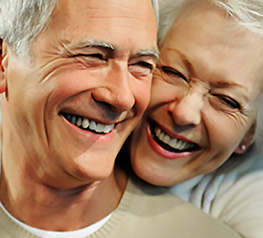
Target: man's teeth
85, 123
172, 142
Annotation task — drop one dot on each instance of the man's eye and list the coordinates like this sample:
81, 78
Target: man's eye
229, 102
95, 56
141, 68
90, 60
145, 65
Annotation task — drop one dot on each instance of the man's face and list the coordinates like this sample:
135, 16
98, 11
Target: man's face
69, 111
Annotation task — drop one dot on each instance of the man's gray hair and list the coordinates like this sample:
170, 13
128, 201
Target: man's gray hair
21, 21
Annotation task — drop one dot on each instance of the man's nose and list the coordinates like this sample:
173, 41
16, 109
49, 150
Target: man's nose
117, 92
187, 110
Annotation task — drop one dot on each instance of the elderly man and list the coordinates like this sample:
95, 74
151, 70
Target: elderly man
75, 77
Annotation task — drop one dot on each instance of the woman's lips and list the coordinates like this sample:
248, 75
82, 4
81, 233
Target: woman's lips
167, 146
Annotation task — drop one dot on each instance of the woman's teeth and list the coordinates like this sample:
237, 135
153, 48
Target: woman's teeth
85, 123
172, 142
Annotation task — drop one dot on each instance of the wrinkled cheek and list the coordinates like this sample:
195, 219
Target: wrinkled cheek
22, 130
143, 97
136, 143
214, 161
69, 83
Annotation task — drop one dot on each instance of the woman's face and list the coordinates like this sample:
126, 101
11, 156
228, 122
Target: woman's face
204, 98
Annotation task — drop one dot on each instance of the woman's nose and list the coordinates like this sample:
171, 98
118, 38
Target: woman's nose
186, 111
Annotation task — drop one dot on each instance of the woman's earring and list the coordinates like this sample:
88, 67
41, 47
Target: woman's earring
243, 147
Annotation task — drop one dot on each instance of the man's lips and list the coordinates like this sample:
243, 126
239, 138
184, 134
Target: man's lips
88, 124
168, 143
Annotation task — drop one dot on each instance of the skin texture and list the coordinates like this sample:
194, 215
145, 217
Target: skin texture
95, 60
205, 91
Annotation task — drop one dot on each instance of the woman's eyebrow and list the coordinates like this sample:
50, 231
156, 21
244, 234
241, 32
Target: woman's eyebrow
187, 63
226, 83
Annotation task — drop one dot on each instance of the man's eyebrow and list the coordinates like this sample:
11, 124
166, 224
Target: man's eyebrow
89, 43
147, 53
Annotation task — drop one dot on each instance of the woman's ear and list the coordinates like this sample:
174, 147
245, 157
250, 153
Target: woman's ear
247, 140
3, 65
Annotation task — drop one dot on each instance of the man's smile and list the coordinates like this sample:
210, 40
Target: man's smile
87, 124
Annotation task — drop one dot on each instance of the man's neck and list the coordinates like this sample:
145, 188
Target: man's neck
61, 210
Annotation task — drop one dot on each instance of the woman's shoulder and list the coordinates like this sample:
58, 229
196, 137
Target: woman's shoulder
234, 197
239, 203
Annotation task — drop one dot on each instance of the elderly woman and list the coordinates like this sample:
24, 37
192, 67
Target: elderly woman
201, 126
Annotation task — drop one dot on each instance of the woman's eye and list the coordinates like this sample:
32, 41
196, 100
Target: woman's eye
172, 73
230, 102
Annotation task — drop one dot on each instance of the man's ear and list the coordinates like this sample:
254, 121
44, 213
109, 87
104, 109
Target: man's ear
247, 140
3, 65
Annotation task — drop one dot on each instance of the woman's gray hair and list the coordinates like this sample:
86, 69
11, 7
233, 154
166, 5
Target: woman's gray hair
249, 15
21, 21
